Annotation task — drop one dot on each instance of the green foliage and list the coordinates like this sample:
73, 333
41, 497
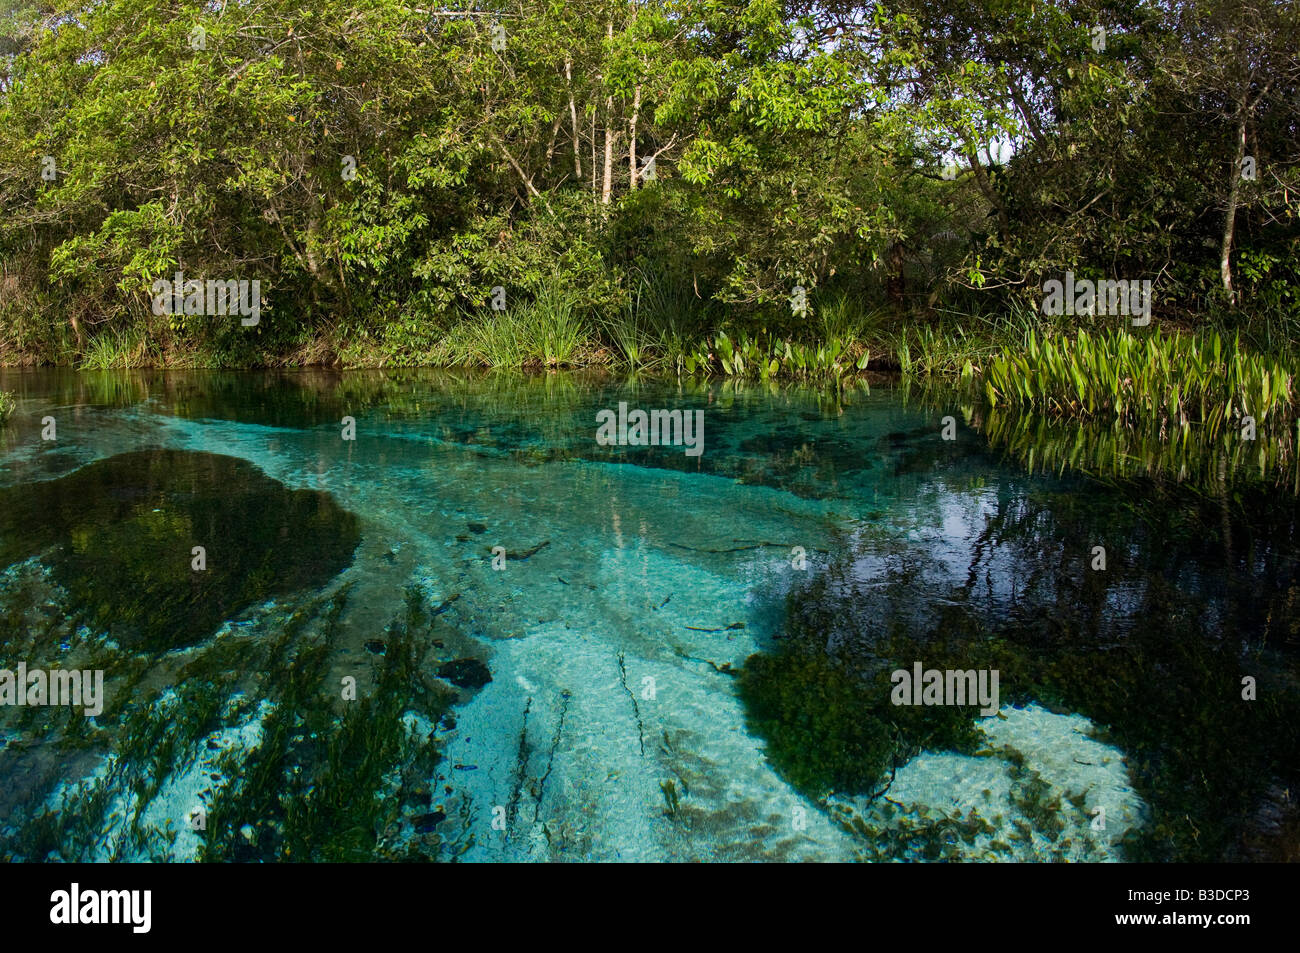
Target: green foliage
1167, 379
113, 349
547, 331
380, 170
767, 358
7, 405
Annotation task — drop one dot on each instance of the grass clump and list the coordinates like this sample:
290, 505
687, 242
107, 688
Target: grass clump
112, 348
547, 331
7, 405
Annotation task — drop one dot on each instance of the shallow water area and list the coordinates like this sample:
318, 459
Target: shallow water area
439, 620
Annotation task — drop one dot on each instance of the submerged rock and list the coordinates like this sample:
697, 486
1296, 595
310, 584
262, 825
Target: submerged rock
120, 536
465, 673
427, 823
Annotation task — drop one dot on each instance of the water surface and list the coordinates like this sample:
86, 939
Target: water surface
472, 632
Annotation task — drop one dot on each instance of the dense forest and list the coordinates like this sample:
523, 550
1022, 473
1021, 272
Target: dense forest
639, 182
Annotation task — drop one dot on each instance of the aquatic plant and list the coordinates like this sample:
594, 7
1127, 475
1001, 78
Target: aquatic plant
7, 405
330, 779
119, 534
830, 726
810, 711
1157, 379
766, 358
1208, 594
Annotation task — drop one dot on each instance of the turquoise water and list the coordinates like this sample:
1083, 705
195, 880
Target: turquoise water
457, 626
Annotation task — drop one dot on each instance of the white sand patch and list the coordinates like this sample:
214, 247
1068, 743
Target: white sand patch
1032, 794
652, 761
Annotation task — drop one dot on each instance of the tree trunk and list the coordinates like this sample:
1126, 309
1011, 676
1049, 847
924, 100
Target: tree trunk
896, 283
631, 139
573, 117
607, 188
986, 187
1230, 221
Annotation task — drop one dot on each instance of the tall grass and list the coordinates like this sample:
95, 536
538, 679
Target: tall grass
560, 331
546, 331
841, 317
112, 348
960, 345
631, 338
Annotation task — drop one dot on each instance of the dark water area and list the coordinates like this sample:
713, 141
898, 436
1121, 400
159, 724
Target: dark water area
436, 617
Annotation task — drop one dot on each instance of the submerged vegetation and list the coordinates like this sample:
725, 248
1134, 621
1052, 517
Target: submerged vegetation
830, 727
930, 555
121, 535
1162, 651
213, 703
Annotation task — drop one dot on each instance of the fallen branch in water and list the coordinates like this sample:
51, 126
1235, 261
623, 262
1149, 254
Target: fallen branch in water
725, 628
723, 669
524, 554
741, 549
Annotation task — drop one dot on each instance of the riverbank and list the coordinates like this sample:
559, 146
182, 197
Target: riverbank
1216, 377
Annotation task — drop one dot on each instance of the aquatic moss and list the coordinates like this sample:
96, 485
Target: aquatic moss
119, 535
830, 728
818, 734
325, 784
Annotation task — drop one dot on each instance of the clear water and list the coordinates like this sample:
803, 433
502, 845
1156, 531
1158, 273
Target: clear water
689, 657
